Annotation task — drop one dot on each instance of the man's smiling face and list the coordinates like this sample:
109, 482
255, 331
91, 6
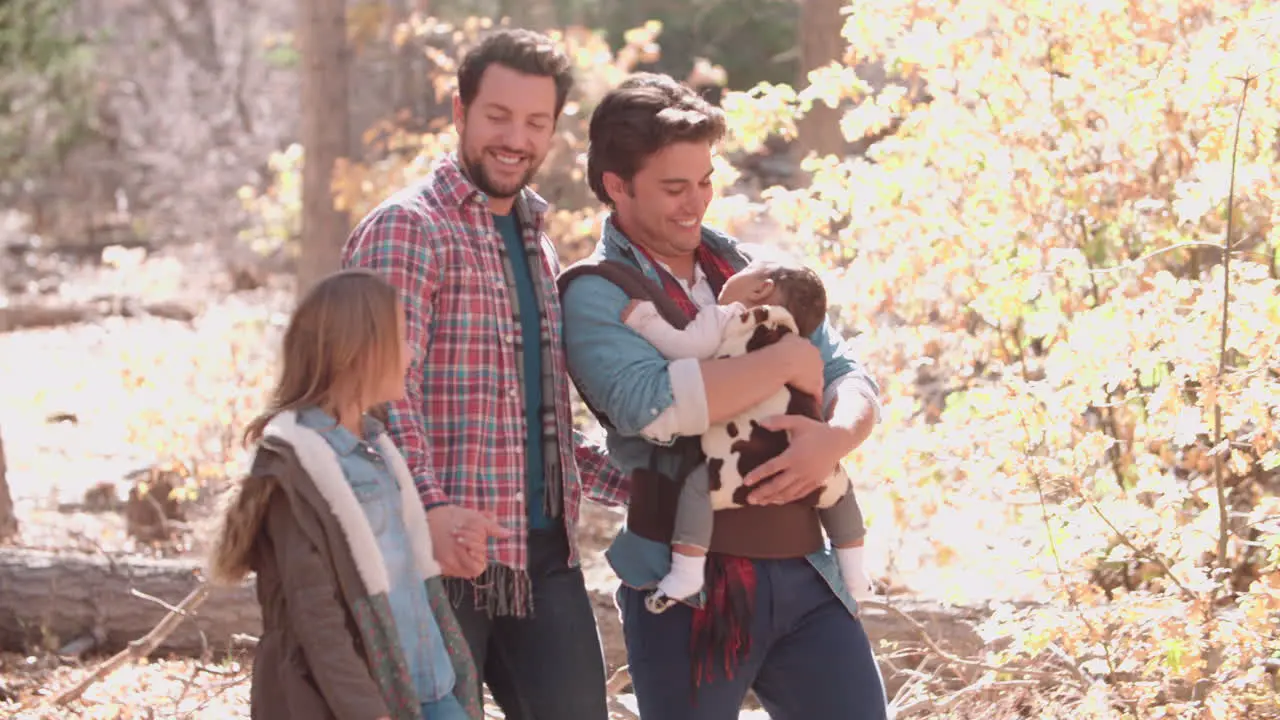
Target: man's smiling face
663, 204
506, 131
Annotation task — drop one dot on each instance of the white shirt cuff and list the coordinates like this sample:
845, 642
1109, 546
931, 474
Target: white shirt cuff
688, 414
859, 384
643, 314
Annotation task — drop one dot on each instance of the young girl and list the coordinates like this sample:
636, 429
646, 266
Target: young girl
356, 625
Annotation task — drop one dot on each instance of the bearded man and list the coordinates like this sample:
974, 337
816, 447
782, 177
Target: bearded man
485, 426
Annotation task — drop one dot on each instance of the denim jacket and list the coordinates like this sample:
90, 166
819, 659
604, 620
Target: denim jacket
619, 372
376, 490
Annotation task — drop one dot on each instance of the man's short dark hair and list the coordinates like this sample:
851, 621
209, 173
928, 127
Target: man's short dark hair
803, 294
524, 51
641, 116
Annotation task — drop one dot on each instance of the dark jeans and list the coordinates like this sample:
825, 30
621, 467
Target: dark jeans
549, 665
809, 657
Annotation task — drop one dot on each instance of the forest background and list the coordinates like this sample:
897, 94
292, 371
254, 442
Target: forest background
1050, 227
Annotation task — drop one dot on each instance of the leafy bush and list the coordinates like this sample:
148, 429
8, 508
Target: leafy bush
45, 94
1033, 250
1037, 251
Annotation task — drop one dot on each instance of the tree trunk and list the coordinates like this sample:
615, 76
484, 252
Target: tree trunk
8, 521
537, 15
51, 599
322, 39
820, 45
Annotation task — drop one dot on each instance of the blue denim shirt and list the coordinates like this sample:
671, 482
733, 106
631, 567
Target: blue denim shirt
379, 496
626, 377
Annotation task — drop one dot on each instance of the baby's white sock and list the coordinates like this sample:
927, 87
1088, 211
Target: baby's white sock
686, 576
854, 572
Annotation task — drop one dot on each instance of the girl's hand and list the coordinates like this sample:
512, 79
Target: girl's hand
460, 537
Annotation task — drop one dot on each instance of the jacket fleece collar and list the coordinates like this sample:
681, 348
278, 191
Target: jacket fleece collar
320, 462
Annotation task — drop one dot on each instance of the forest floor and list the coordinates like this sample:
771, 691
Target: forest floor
88, 403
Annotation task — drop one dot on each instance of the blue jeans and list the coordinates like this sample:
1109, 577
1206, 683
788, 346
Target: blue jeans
550, 665
446, 708
810, 658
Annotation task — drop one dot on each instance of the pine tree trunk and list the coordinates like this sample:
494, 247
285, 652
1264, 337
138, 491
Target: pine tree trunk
8, 521
537, 15
821, 43
325, 132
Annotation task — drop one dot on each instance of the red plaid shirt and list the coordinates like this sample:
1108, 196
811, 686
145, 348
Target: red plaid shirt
461, 425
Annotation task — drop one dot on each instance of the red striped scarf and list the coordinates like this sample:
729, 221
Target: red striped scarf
721, 629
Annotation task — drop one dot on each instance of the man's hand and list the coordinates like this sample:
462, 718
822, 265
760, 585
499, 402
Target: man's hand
803, 467
460, 537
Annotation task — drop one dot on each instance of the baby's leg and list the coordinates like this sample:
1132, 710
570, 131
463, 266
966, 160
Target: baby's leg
689, 542
843, 523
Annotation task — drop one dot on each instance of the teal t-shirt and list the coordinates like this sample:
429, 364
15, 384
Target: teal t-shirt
530, 338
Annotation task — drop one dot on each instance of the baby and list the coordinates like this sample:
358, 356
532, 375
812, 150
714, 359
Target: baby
767, 298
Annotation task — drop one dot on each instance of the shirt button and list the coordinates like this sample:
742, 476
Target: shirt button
511, 392
520, 495
653, 411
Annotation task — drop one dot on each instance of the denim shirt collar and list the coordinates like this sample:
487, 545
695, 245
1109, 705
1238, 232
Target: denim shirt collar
616, 245
342, 440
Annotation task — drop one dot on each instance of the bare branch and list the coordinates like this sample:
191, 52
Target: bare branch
202, 46
1224, 526
933, 646
171, 608
139, 648
935, 706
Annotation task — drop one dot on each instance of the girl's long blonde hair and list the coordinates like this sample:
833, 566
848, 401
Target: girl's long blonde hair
341, 335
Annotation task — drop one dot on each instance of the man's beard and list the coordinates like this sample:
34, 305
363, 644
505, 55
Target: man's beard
474, 168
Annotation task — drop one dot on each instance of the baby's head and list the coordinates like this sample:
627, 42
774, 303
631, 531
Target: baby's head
779, 281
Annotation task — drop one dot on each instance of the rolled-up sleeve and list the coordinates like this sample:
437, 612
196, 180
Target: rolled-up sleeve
841, 369
624, 376
688, 413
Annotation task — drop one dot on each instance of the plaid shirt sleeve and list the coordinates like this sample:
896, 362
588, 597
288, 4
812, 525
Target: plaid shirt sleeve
395, 243
602, 481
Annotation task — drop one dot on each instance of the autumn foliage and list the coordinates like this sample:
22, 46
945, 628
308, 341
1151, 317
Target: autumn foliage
1061, 255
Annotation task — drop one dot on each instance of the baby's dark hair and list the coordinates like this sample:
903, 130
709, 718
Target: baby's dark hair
803, 294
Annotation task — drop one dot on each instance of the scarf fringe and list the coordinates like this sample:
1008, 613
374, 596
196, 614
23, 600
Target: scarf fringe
499, 590
721, 629
553, 481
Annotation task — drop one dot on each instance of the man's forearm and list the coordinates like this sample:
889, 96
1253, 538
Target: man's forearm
734, 385
855, 413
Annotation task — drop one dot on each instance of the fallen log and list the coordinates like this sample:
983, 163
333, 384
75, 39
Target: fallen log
902, 621
33, 316
52, 600
141, 647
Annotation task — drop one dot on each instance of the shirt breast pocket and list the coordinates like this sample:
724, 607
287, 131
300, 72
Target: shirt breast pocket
471, 301
373, 500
